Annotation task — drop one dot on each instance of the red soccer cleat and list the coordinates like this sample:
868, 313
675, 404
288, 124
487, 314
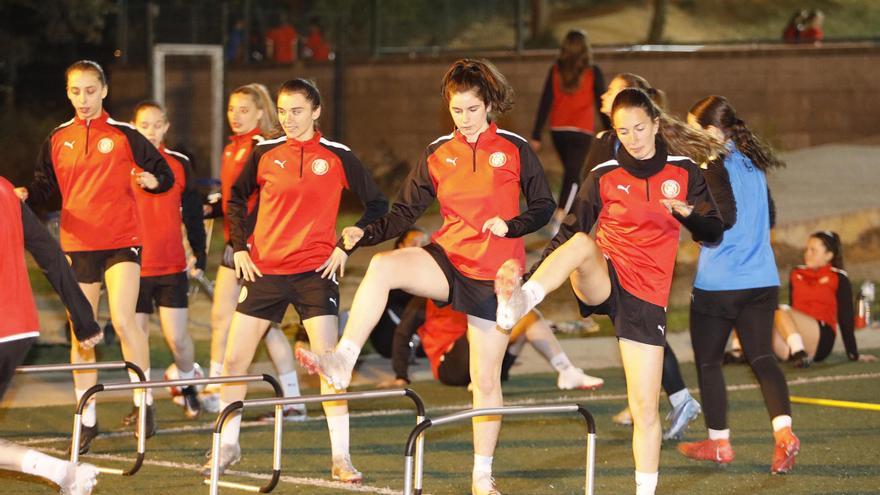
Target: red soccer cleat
717, 451
786, 448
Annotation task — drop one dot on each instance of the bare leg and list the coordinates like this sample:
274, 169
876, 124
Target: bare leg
789, 321
643, 365
280, 351
122, 293
580, 259
174, 328
226, 291
84, 380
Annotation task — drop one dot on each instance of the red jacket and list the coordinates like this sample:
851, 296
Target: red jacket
19, 230
300, 185
91, 164
826, 295
162, 215
442, 327
635, 231
473, 182
235, 155
570, 111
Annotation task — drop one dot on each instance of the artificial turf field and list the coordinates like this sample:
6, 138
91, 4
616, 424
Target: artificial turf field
536, 455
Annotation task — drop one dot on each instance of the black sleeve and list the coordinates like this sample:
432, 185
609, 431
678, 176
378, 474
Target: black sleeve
790, 288
539, 200
704, 222
772, 208
48, 255
193, 217
237, 207
215, 207
599, 89
416, 194
584, 213
147, 157
361, 182
718, 181
601, 150
45, 183
412, 318
544, 107
846, 316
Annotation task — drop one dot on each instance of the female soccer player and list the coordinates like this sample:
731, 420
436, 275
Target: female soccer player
293, 257
163, 264
638, 202
252, 120
737, 285
477, 174
90, 161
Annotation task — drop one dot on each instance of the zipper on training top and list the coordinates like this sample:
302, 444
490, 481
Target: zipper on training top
88, 126
648, 189
301, 159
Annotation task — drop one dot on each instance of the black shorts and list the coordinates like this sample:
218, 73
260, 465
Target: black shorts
634, 319
826, 342
89, 266
12, 354
167, 291
468, 295
267, 298
454, 368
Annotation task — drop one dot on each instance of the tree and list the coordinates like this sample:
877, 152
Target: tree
658, 22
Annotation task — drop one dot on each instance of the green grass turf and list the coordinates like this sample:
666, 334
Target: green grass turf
535, 454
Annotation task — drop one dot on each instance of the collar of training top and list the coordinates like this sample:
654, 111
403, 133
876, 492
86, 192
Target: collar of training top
315, 140
101, 118
644, 168
238, 138
490, 131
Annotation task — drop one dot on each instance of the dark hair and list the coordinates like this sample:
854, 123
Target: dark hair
483, 78
575, 55
813, 15
403, 236
146, 104
680, 138
636, 81
832, 243
717, 111
305, 87
84, 65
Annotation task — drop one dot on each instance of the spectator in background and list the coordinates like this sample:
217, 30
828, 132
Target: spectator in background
282, 42
795, 26
812, 31
316, 47
235, 43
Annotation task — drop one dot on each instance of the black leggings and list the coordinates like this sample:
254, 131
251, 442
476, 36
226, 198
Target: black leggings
572, 147
713, 315
672, 380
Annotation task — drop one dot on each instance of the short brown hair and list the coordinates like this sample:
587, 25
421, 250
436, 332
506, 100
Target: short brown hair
84, 65
481, 77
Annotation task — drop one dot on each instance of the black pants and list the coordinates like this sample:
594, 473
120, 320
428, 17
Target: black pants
672, 380
12, 354
713, 315
572, 148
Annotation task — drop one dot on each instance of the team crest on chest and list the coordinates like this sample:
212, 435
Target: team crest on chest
670, 188
497, 159
105, 145
320, 166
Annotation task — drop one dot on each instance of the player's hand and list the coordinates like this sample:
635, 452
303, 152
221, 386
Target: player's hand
147, 180
351, 236
21, 192
867, 358
535, 144
336, 261
496, 225
245, 267
678, 206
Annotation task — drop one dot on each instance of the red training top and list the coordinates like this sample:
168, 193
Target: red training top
235, 155
442, 327
300, 184
473, 182
826, 295
283, 40
91, 163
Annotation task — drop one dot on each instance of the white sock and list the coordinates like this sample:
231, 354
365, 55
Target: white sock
186, 375
781, 421
482, 463
89, 415
290, 384
44, 466
646, 483
795, 343
136, 394
338, 426
232, 427
349, 350
719, 434
534, 294
216, 369
560, 362
679, 397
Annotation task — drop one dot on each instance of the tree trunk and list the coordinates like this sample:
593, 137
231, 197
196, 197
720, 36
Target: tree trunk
539, 17
658, 22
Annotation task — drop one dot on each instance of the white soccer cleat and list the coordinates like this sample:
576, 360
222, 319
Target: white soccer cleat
343, 470
331, 366
229, 456
80, 480
512, 304
484, 484
575, 378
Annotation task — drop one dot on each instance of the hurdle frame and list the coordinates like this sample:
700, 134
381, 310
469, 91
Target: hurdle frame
413, 464
214, 480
